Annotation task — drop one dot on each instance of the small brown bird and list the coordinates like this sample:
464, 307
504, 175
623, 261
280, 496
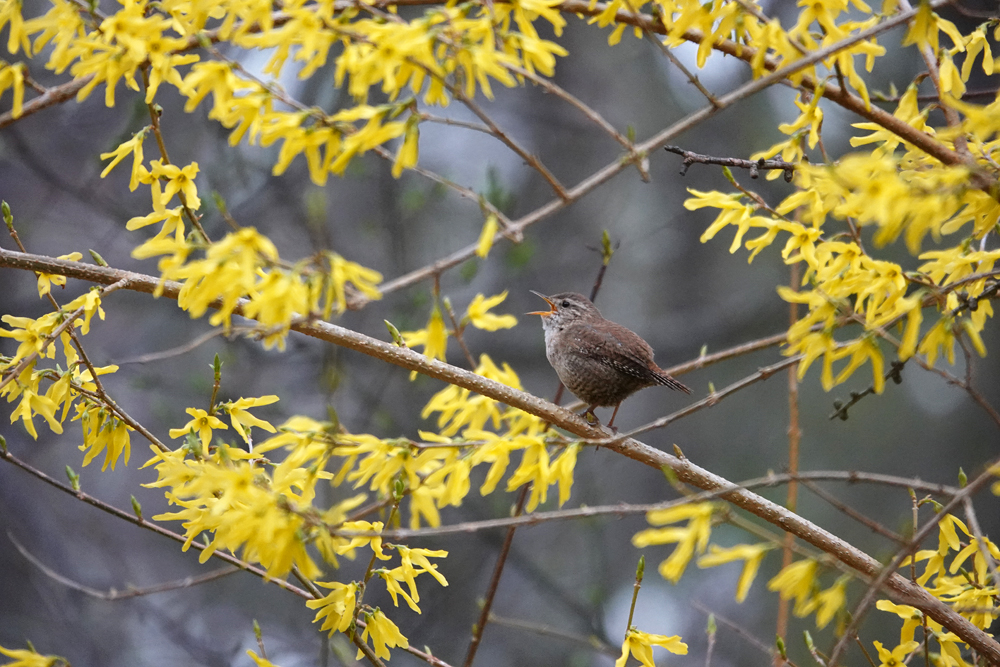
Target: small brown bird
603, 363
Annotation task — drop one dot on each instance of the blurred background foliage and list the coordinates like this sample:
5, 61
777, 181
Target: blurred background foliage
681, 295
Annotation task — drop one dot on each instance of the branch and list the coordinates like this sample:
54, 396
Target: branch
752, 165
840, 408
115, 594
898, 588
707, 402
888, 573
52, 96
832, 92
919, 139
148, 525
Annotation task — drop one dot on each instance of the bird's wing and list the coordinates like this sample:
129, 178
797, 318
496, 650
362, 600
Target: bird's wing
617, 349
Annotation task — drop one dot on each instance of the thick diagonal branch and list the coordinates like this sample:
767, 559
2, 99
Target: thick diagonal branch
897, 587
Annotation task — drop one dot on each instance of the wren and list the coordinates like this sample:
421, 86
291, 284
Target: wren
601, 362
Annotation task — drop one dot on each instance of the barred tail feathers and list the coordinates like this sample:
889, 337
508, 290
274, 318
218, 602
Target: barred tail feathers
667, 381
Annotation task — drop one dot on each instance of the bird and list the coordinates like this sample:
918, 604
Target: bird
601, 362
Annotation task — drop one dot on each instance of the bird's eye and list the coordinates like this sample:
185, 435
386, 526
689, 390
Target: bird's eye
565, 303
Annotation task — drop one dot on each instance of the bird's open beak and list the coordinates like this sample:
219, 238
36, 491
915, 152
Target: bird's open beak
543, 313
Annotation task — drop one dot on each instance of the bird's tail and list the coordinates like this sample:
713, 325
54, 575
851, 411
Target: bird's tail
667, 381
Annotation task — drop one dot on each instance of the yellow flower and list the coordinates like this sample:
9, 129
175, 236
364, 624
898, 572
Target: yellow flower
12, 76
178, 181
47, 280
91, 304
640, 645
830, 601
406, 157
383, 633
392, 578
480, 317
342, 271
32, 404
433, 338
134, 147
750, 554
897, 656
30, 658
374, 542
238, 415
10, 15
259, 661
912, 618
561, 471
337, 608
486, 236
796, 581
104, 433
690, 538
31, 333
202, 424
923, 29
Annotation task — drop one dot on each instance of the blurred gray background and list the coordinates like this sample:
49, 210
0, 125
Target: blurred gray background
681, 295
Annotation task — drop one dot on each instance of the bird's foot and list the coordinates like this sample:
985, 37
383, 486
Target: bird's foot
592, 419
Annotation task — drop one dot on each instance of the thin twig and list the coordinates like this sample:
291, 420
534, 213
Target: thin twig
514, 235
794, 438
180, 349
457, 332
574, 101
705, 360
484, 614
592, 641
70, 318
958, 382
130, 592
495, 130
901, 554
622, 509
874, 526
454, 122
738, 629
51, 97
148, 525
154, 116
840, 408
753, 166
707, 402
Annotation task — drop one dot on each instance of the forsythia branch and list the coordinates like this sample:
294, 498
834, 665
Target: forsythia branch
898, 587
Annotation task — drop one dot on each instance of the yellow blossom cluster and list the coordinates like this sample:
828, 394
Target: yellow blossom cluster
240, 271
264, 508
72, 383
690, 539
949, 576
848, 285
796, 581
957, 572
434, 337
738, 28
898, 190
450, 50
